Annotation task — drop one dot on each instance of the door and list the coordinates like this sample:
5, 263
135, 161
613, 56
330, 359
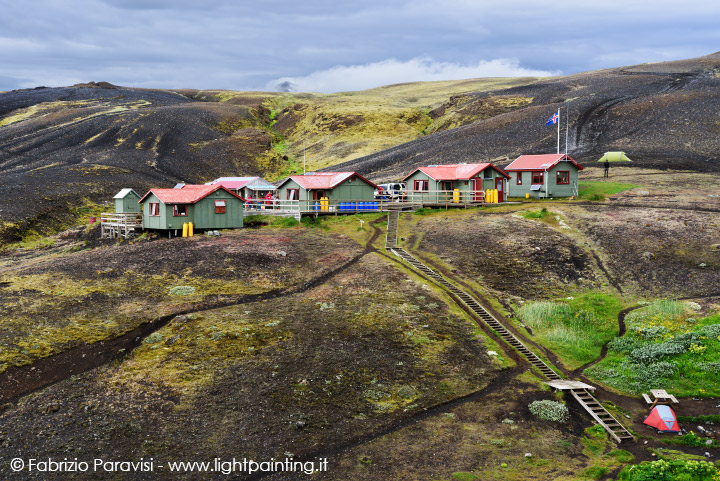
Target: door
499, 182
478, 193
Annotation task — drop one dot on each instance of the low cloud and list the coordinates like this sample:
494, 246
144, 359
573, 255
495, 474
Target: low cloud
360, 77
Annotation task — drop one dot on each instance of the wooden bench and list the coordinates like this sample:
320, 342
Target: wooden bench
647, 398
673, 399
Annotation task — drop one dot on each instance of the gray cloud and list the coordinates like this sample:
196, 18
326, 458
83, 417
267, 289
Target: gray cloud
247, 45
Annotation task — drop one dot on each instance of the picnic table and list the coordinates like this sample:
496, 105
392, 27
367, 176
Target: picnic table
659, 396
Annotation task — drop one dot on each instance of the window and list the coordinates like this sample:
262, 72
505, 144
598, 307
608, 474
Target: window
180, 210
293, 194
220, 206
351, 179
537, 178
519, 178
154, 209
422, 185
563, 177
447, 185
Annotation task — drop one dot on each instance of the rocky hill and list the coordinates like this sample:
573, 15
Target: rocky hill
664, 115
62, 150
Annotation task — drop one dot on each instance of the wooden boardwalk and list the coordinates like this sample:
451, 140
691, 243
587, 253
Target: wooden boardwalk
598, 412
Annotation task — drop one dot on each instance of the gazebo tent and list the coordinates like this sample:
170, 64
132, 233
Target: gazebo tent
663, 419
614, 157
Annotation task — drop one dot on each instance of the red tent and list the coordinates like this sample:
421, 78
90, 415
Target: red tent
663, 419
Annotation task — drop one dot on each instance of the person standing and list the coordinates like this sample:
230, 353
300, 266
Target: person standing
607, 168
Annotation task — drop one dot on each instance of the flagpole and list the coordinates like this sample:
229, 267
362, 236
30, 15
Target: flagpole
567, 125
558, 147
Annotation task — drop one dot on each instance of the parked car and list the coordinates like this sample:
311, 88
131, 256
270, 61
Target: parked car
391, 191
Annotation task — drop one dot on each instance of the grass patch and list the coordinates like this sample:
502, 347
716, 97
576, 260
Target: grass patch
710, 418
665, 348
575, 328
542, 215
598, 191
690, 439
670, 470
464, 476
595, 442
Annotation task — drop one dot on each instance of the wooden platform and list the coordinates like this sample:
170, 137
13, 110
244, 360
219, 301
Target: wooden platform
567, 385
119, 225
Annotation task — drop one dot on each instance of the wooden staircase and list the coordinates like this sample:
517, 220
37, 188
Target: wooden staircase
601, 415
391, 235
598, 412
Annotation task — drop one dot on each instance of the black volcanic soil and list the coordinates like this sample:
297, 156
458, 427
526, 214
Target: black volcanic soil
60, 146
663, 115
293, 374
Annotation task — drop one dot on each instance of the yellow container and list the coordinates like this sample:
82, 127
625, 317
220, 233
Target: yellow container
488, 196
185, 229
324, 204
496, 196
456, 196
527, 195
190, 229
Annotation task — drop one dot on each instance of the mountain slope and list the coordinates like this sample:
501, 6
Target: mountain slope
663, 115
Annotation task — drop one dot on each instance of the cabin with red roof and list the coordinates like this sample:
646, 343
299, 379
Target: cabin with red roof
255, 187
543, 176
336, 186
206, 206
436, 183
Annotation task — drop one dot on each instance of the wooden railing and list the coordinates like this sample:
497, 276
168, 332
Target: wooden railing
115, 225
445, 196
383, 204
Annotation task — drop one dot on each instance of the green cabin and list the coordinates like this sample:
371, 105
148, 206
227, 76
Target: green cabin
126, 202
336, 186
543, 176
206, 206
436, 183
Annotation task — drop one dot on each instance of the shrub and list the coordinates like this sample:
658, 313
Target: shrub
624, 345
182, 290
713, 367
653, 375
550, 411
153, 338
712, 330
662, 470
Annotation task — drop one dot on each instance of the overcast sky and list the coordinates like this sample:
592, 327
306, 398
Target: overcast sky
330, 46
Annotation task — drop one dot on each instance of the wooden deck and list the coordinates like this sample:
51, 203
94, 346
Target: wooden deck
120, 225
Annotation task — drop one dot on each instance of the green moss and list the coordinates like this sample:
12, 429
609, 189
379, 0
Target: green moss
597, 191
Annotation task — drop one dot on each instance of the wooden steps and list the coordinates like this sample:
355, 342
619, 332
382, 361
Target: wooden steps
391, 235
601, 415
616, 430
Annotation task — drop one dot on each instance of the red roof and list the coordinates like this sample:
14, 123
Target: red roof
539, 162
455, 171
189, 194
323, 180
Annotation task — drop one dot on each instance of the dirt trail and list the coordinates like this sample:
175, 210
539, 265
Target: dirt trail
503, 378
19, 381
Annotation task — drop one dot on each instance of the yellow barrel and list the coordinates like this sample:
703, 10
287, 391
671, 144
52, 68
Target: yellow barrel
324, 202
488, 196
185, 229
456, 196
190, 229
496, 196
527, 195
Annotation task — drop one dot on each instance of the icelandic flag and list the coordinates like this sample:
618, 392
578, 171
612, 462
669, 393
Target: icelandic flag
554, 119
